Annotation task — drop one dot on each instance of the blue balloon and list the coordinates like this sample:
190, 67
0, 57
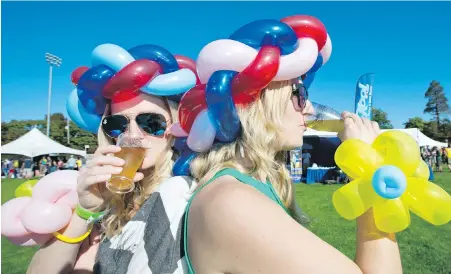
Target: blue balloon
318, 63
221, 107
267, 32
182, 165
180, 144
158, 54
172, 83
82, 118
112, 56
389, 182
90, 88
308, 80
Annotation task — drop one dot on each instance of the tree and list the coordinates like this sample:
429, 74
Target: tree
381, 117
416, 122
58, 131
437, 103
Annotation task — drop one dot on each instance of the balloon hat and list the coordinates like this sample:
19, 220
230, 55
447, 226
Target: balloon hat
234, 71
390, 177
119, 75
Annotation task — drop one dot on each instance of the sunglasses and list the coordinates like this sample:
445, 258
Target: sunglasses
301, 94
152, 123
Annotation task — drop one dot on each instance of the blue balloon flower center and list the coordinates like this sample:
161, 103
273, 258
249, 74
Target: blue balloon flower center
389, 182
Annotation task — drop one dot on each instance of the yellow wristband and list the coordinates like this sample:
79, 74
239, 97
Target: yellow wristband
77, 240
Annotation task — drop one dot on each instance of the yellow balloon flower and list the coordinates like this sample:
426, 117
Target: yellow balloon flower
390, 177
25, 189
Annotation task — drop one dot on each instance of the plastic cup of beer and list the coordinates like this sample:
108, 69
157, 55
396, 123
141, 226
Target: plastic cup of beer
133, 150
325, 119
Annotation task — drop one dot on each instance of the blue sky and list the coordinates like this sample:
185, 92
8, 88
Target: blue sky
407, 44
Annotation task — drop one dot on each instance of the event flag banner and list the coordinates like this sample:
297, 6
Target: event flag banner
364, 95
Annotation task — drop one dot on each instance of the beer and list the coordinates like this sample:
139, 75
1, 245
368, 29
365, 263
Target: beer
326, 125
325, 119
123, 182
133, 149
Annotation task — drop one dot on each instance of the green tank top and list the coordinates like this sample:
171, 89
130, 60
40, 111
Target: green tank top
266, 189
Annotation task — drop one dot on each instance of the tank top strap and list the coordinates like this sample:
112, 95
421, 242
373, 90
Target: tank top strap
266, 189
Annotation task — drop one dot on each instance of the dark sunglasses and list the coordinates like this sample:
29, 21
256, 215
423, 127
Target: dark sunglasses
301, 94
151, 123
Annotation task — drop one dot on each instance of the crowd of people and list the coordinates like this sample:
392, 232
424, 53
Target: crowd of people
436, 157
34, 167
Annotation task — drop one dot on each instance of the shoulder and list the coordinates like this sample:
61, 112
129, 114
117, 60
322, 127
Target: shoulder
226, 204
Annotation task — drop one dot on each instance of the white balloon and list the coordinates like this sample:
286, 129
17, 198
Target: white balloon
327, 50
223, 54
295, 64
202, 133
226, 54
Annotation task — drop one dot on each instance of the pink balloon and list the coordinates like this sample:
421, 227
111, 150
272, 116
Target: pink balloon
177, 130
43, 217
11, 224
56, 185
71, 199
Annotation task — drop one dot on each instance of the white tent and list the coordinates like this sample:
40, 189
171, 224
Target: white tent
420, 138
35, 143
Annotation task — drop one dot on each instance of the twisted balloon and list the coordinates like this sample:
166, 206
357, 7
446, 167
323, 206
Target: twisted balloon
28, 221
234, 71
119, 75
390, 177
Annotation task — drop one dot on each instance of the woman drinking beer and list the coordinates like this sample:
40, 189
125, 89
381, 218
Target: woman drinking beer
142, 89
240, 219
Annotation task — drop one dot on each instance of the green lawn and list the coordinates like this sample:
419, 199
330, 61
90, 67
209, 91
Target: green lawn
425, 249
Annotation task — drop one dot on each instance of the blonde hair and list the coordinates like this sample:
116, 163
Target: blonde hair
259, 144
123, 207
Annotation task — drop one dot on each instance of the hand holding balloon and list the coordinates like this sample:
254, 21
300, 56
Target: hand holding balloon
389, 176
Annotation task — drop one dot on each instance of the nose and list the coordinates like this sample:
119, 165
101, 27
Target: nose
134, 129
308, 109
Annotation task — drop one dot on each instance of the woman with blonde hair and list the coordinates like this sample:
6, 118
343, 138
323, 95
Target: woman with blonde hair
142, 86
252, 108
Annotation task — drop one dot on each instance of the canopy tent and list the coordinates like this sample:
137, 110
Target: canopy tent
35, 143
420, 138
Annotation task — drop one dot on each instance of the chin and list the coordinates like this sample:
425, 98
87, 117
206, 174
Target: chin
292, 145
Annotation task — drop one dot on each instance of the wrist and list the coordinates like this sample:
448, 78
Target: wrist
87, 215
366, 228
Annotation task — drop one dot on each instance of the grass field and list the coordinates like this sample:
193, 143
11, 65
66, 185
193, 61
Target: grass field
425, 249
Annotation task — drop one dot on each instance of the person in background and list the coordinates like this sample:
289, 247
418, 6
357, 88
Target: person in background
448, 156
71, 163
78, 162
43, 166
36, 169
433, 157
27, 168
305, 161
53, 167
438, 160
60, 164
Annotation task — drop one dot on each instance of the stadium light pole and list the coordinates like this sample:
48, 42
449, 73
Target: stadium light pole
52, 60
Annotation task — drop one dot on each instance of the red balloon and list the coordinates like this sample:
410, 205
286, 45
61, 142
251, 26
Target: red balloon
185, 62
123, 96
77, 73
192, 102
247, 85
308, 26
132, 77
